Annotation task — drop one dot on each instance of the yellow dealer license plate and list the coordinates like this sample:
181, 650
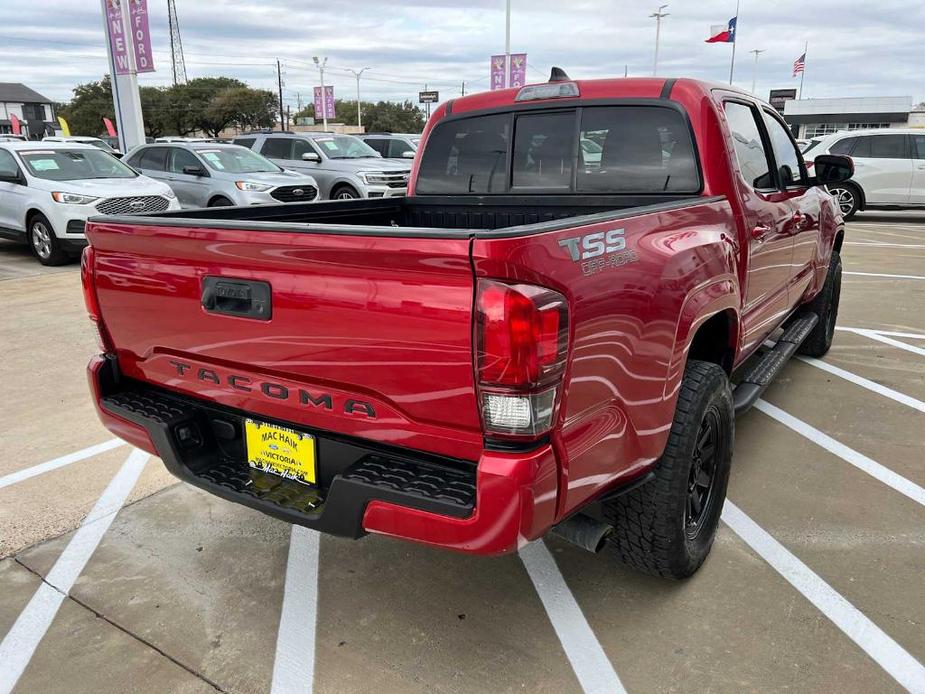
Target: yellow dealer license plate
280, 451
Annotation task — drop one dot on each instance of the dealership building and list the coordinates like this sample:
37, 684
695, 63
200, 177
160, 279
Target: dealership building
810, 118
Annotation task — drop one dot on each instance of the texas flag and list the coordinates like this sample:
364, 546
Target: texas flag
723, 34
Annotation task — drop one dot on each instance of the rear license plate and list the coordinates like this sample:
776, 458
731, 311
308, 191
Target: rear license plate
280, 451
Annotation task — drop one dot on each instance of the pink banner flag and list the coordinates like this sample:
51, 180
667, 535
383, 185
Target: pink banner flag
497, 72
117, 41
15, 124
110, 128
517, 72
324, 107
141, 36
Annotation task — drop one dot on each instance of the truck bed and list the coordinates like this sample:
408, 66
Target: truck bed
428, 216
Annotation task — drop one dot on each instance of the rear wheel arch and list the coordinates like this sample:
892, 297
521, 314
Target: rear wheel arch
714, 340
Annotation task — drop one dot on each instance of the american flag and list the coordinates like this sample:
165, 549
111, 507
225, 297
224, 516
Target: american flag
799, 65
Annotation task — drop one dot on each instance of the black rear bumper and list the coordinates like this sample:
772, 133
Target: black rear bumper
203, 444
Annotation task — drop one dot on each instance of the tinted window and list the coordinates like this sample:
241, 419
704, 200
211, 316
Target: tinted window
543, 150
245, 141
750, 153
154, 159
180, 158
785, 152
887, 146
397, 148
918, 146
630, 149
843, 146
468, 155
277, 148
379, 144
8, 164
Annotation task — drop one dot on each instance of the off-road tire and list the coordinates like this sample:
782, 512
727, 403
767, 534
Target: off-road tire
824, 305
43, 243
651, 531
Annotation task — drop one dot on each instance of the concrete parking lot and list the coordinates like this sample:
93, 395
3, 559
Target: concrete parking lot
116, 578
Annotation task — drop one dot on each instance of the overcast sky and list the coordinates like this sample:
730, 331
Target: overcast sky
856, 48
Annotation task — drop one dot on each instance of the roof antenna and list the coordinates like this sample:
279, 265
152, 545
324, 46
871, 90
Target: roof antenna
558, 75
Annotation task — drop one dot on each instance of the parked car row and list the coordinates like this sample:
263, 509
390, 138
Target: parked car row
889, 168
48, 189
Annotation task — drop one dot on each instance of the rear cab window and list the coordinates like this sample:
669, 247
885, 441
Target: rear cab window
590, 150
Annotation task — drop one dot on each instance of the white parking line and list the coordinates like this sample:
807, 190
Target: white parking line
874, 641
884, 275
874, 335
883, 474
889, 333
30, 627
294, 666
42, 468
872, 386
883, 244
588, 660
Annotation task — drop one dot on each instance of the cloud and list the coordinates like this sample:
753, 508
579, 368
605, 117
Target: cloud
856, 48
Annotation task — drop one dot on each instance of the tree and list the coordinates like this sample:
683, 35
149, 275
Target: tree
91, 103
242, 107
384, 116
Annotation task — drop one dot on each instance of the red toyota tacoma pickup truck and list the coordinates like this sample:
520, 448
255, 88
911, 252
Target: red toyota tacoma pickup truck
553, 330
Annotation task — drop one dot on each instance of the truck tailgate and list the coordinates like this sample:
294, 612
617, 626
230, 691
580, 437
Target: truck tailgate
366, 336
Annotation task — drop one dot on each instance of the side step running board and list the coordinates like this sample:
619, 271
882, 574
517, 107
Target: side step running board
760, 374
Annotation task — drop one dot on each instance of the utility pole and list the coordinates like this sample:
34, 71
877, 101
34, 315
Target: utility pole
324, 97
507, 49
358, 74
288, 117
463, 90
757, 52
658, 14
279, 79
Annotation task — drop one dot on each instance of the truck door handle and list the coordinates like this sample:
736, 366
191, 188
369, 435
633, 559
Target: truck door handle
236, 297
759, 232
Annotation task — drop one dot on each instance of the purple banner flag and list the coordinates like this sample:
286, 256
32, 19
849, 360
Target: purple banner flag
517, 72
324, 107
117, 41
497, 72
141, 36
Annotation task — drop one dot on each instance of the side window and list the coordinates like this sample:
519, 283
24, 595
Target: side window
843, 146
397, 148
8, 165
544, 146
180, 158
887, 147
750, 152
918, 146
789, 162
277, 148
300, 147
380, 144
154, 159
245, 141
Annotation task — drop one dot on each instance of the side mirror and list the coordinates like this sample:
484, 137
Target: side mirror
407, 154
311, 156
194, 171
7, 177
832, 168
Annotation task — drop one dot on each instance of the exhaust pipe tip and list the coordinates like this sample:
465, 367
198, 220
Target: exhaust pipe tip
585, 532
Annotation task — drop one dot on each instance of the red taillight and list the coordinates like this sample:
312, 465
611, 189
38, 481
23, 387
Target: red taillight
522, 343
90, 299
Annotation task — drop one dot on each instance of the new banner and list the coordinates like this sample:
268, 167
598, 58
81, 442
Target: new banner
497, 72
517, 72
324, 106
141, 36
117, 41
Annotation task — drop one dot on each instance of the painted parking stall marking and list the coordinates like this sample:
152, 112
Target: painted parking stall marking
64, 460
20, 643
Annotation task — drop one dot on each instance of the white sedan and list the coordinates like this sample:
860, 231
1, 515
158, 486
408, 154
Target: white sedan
49, 189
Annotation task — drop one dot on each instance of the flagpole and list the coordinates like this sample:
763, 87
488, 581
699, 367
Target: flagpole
803, 72
735, 37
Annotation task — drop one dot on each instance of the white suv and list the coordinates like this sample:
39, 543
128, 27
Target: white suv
49, 189
889, 168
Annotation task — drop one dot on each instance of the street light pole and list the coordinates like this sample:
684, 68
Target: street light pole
324, 97
757, 52
658, 14
358, 74
507, 44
